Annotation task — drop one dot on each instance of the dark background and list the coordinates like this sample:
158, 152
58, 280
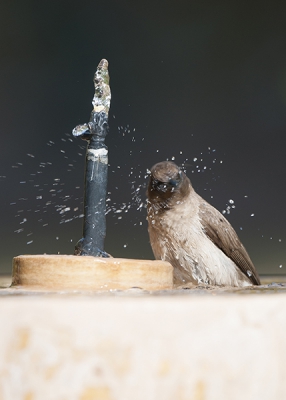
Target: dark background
197, 80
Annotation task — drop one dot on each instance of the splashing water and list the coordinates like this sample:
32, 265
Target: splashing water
49, 193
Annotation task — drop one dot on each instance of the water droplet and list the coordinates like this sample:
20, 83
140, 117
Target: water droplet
249, 273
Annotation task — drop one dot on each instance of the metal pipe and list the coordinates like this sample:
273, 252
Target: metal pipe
95, 131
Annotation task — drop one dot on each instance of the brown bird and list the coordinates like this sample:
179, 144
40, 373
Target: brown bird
192, 235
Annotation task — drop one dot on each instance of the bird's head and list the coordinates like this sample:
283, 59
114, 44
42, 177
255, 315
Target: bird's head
167, 183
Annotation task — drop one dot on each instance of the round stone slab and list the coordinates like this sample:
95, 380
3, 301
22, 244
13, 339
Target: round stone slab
68, 272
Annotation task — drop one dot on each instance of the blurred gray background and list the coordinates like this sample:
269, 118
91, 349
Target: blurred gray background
203, 82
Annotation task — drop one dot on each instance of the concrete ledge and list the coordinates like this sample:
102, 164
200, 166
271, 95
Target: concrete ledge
143, 348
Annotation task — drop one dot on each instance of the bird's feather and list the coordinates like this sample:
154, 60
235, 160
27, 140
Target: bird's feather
221, 233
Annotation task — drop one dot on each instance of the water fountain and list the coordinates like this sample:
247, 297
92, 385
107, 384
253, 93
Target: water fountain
91, 268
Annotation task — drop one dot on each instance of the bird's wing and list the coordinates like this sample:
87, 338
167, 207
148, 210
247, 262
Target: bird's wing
222, 234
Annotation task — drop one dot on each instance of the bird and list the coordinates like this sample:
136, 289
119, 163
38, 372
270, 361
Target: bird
192, 235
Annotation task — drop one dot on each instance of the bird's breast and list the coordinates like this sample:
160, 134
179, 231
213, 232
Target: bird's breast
176, 235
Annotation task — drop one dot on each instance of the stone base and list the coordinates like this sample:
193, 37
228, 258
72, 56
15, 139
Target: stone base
67, 272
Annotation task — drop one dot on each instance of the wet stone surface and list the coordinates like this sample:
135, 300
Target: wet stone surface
271, 285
